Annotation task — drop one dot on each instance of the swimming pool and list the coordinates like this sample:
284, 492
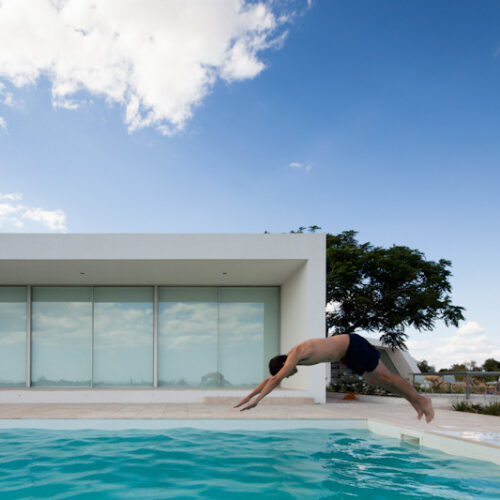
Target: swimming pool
178, 461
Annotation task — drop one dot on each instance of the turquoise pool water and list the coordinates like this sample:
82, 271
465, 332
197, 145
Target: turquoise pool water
187, 463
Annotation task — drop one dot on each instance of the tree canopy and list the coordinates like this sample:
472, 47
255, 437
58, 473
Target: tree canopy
491, 365
425, 367
385, 289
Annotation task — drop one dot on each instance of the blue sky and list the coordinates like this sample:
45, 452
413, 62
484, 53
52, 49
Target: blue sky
382, 117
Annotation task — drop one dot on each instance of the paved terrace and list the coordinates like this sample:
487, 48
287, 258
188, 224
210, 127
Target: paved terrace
384, 410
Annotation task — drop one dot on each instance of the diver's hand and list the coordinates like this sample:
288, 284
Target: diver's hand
242, 402
253, 393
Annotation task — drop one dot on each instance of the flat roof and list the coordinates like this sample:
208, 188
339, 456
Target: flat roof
174, 259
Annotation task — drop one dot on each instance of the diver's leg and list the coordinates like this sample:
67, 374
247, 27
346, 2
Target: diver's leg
383, 377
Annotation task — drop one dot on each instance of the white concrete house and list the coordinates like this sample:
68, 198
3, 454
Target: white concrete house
156, 317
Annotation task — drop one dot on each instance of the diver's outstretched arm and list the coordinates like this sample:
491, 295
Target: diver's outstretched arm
253, 393
268, 385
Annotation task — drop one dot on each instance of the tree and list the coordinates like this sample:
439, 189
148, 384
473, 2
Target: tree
425, 367
472, 366
491, 365
385, 289
300, 230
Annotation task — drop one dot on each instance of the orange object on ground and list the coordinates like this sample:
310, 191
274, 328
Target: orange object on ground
349, 396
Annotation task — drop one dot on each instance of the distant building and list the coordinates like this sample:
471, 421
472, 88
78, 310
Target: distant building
397, 360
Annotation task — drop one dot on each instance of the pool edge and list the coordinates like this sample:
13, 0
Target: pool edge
453, 445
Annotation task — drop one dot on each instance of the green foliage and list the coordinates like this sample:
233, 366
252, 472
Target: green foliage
385, 289
488, 409
350, 383
466, 366
491, 365
425, 367
301, 229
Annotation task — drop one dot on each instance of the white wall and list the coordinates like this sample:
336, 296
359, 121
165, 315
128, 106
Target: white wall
302, 318
157, 247
316, 321
294, 327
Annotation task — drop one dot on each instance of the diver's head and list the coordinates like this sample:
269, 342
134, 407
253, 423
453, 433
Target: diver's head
276, 364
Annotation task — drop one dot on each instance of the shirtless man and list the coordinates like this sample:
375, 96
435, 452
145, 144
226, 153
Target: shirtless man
353, 350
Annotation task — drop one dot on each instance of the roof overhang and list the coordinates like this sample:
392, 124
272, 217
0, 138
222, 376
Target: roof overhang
132, 259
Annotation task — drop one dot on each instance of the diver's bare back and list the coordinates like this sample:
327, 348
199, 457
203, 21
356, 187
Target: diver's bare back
323, 350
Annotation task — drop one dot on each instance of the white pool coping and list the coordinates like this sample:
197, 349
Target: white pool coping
443, 441
482, 437
449, 442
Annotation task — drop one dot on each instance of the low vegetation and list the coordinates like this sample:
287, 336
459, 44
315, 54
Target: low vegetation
492, 408
350, 383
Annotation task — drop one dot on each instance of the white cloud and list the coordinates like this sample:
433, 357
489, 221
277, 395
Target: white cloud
14, 215
469, 343
297, 165
8, 99
470, 328
417, 345
11, 196
3, 123
157, 59
55, 220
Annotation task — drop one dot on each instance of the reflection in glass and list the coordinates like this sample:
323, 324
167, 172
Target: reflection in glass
123, 336
61, 336
12, 335
207, 337
248, 333
187, 337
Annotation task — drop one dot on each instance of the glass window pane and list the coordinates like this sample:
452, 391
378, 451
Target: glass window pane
12, 335
248, 333
61, 336
123, 336
187, 337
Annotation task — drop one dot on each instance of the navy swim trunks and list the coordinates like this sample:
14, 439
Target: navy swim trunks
361, 356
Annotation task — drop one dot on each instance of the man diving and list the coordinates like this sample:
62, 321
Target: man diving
357, 354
